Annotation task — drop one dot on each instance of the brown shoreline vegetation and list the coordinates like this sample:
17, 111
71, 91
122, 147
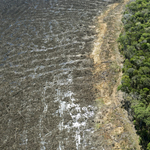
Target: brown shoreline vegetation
112, 125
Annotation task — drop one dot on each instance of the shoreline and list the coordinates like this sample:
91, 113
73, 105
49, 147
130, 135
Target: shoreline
112, 125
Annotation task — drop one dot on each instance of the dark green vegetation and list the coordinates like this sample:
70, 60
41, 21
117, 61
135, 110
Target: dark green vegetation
135, 46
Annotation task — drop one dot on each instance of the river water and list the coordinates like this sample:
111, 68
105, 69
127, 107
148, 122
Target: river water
46, 83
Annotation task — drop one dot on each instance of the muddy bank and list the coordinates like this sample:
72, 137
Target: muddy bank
113, 127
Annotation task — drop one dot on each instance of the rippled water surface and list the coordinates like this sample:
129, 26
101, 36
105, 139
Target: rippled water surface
46, 98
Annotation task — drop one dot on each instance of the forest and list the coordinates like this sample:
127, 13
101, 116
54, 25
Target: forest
134, 44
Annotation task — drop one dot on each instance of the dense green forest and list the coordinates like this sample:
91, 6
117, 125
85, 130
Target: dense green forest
134, 44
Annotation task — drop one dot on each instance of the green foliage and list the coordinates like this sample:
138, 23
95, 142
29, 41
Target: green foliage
126, 86
148, 146
135, 46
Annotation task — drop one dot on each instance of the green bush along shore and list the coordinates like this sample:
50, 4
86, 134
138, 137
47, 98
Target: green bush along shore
134, 44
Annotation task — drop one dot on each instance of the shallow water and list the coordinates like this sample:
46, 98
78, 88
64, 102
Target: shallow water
46, 97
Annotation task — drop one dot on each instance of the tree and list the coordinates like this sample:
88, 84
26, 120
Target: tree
148, 146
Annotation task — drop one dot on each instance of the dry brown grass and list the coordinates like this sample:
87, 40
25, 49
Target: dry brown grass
111, 118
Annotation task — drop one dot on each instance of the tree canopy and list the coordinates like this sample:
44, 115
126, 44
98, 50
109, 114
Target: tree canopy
134, 44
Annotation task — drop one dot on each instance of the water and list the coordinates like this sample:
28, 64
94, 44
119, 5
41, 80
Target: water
46, 96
